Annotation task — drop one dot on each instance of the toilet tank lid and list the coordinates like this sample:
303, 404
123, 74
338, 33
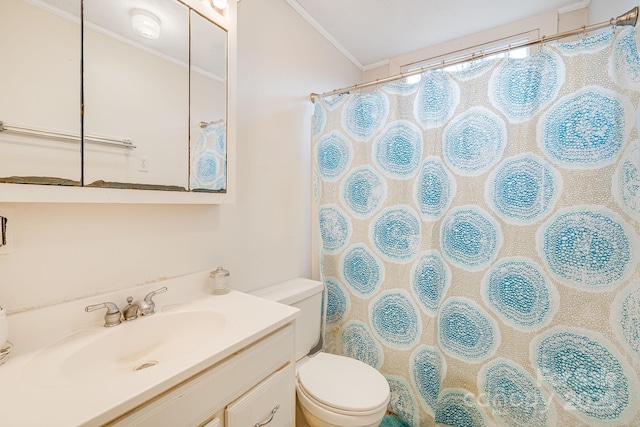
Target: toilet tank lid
290, 291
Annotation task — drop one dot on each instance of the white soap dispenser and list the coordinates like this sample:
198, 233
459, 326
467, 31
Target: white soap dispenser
219, 278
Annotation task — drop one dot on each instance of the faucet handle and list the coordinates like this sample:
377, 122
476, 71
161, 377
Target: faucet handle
149, 300
112, 317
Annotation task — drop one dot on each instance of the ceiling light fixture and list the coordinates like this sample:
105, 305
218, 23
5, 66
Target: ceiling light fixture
145, 24
219, 4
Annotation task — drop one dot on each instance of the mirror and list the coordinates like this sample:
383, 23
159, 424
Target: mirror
136, 93
40, 102
155, 105
208, 106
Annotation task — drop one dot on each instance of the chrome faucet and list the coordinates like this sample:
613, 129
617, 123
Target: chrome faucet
145, 307
130, 311
112, 317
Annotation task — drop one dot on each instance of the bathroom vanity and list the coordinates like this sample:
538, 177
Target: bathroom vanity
201, 360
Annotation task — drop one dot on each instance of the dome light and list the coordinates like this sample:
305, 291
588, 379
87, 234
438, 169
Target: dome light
219, 4
145, 24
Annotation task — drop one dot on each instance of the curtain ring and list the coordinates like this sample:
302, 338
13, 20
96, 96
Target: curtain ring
509, 52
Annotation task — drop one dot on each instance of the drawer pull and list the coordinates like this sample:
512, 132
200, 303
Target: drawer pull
273, 413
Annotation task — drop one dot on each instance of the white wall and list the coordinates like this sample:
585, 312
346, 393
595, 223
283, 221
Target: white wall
66, 252
603, 10
282, 60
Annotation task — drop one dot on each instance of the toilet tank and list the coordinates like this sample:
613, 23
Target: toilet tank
306, 295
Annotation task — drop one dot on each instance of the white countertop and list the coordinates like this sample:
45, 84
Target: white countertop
26, 400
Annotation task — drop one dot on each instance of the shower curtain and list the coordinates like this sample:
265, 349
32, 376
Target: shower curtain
479, 237
208, 158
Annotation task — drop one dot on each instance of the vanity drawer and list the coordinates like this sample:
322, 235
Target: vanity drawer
195, 401
272, 403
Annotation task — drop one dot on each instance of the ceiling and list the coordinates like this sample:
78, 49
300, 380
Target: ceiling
113, 18
370, 32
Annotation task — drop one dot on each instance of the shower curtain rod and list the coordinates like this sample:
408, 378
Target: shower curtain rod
213, 122
629, 18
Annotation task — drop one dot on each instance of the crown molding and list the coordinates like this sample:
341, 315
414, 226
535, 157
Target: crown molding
315, 24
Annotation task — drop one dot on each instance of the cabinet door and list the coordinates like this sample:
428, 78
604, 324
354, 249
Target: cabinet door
194, 402
270, 404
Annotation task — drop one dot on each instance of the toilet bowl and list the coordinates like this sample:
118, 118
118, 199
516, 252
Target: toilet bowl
339, 391
332, 390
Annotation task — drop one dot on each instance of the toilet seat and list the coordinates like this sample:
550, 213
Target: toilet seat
343, 385
308, 399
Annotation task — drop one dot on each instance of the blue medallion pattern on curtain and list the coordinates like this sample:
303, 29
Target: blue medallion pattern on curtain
480, 235
208, 159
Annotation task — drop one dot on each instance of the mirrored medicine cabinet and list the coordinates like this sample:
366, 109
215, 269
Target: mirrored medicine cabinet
117, 101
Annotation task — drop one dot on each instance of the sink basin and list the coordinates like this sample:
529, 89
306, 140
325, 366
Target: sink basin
126, 349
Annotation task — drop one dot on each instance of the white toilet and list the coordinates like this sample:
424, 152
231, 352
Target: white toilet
333, 391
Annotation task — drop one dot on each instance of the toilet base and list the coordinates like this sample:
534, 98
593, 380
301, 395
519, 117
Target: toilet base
306, 419
301, 421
